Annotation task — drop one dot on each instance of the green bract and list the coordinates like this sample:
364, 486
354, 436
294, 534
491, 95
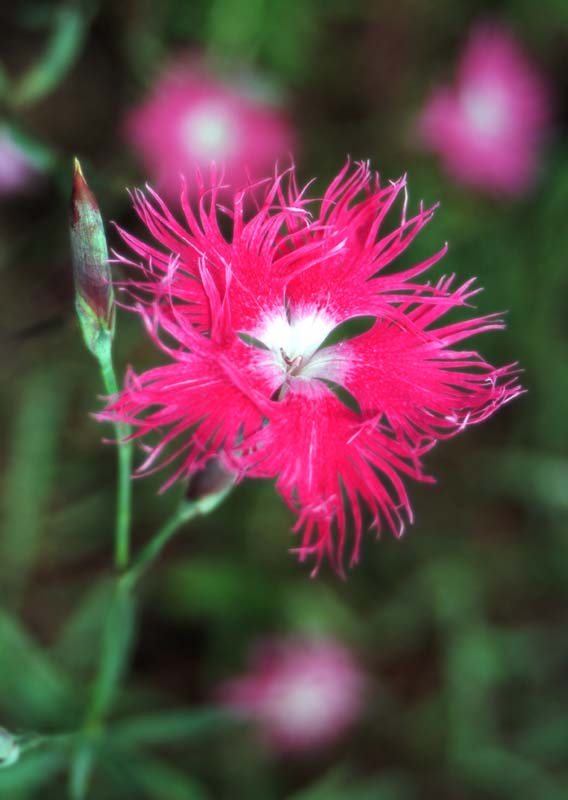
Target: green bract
94, 297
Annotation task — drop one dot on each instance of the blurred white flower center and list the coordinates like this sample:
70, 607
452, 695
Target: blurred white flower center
486, 108
307, 705
208, 132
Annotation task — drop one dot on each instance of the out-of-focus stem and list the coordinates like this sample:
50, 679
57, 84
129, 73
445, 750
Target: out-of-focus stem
186, 512
117, 640
81, 770
115, 650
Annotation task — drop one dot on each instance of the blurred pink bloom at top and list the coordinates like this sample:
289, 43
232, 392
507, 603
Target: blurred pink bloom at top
488, 127
303, 694
17, 169
192, 118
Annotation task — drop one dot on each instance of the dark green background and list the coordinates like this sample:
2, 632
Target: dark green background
461, 624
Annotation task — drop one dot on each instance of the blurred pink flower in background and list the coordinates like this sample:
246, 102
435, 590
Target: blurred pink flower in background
489, 126
302, 694
193, 118
18, 172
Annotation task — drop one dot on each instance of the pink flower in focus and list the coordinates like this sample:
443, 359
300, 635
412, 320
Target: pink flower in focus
17, 170
192, 118
302, 694
489, 127
250, 377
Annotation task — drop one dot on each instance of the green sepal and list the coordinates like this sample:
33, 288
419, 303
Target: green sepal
97, 334
94, 296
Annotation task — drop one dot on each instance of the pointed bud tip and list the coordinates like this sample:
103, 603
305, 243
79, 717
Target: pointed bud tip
81, 195
93, 281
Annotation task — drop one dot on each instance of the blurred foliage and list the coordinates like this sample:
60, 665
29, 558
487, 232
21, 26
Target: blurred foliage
462, 623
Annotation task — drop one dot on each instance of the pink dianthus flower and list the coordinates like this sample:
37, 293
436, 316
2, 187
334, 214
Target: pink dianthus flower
303, 694
488, 128
192, 118
251, 379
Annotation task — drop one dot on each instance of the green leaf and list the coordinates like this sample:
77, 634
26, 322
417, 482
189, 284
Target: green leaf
546, 738
508, 775
80, 771
63, 47
30, 475
159, 780
117, 642
164, 727
25, 778
74, 645
32, 689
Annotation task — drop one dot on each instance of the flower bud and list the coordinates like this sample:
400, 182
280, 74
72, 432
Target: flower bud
9, 749
208, 488
213, 479
94, 297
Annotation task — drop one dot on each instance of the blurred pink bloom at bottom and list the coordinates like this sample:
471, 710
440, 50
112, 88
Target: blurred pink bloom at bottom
303, 694
489, 126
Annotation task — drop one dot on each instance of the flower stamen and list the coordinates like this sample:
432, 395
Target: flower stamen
294, 365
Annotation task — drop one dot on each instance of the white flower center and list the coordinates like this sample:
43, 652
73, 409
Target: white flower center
307, 706
208, 132
295, 340
293, 343
486, 109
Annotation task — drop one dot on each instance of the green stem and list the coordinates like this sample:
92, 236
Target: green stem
117, 641
124, 458
155, 546
186, 512
120, 619
115, 650
81, 770
32, 741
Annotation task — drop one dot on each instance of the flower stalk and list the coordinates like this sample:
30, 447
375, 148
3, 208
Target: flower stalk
186, 511
124, 483
95, 306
